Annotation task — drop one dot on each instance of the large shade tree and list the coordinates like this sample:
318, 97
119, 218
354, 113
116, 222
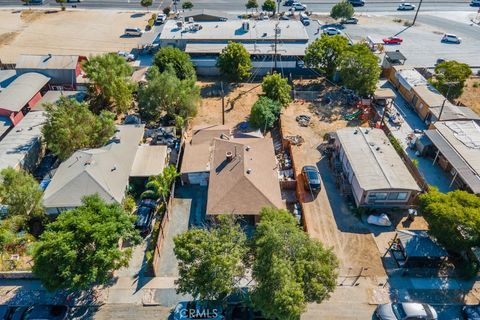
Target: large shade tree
343, 9
325, 54
265, 113
81, 248
178, 59
234, 62
211, 262
277, 88
359, 70
70, 126
450, 77
290, 269
110, 86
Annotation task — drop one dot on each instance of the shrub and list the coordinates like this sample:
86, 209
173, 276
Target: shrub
149, 194
154, 16
167, 10
265, 113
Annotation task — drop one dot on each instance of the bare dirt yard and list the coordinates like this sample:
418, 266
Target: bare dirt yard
66, 32
238, 103
471, 94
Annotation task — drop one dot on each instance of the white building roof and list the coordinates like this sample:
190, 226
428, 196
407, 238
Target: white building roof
409, 77
150, 160
21, 139
284, 49
232, 30
21, 90
47, 61
103, 170
374, 161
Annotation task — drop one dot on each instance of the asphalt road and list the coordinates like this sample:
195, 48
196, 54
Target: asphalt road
236, 6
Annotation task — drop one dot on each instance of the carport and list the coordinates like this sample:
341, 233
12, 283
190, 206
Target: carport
150, 160
416, 249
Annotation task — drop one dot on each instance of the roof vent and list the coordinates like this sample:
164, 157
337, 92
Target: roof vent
355, 132
49, 56
88, 162
114, 167
248, 148
224, 136
377, 148
366, 131
229, 156
249, 171
245, 26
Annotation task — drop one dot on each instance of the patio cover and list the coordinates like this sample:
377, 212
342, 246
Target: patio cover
418, 244
149, 161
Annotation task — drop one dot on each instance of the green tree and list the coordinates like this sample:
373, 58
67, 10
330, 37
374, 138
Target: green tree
234, 62
110, 82
81, 248
187, 5
21, 193
450, 77
359, 70
325, 53
265, 113
146, 3
454, 218
269, 5
70, 126
251, 4
290, 269
164, 93
167, 10
162, 183
277, 88
211, 262
178, 59
343, 10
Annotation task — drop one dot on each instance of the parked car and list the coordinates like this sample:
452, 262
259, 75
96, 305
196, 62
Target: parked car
451, 38
144, 220
475, 3
405, 311
357, 3
51, 312
186, 310
289, 3
439, 60
392, 40
311, 178
471, 312
126, 55
161, 18
351, 20
299, 7
136, 32
149, 203
305, 19
284, 17
406, 7
331, 31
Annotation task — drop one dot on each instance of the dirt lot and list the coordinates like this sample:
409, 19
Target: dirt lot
471, 94
238, 103
68, 32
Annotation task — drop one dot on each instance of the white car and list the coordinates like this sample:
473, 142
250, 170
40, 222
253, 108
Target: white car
406, 310
161, 17
331, 31
126, 55
475, 3
451, 38
406, 6
299, 7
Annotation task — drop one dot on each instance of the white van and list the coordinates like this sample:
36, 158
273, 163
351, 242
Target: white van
137, 32
305, 19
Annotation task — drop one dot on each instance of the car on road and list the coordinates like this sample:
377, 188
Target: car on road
289, 3
284, 17
475, 3
299, 7
392, 40
351, 20
406, 7
161, 18
136, 32
471, 312
357, 3
126, 55
311, 178
198, 309
331, 31
305, 19
51, 312
405, 311
451, 38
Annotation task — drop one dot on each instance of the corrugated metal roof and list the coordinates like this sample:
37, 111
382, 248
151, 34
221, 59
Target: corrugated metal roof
47, 61
458, 142
374, 161
21, 139
21, 90
149, 160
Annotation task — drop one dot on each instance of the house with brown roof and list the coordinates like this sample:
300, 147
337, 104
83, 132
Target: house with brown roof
243, 178
196, 157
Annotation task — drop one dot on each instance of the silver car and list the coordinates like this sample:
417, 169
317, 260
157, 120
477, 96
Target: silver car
405, 311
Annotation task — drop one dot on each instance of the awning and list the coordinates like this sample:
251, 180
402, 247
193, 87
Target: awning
150, 160
284, 49
418, 244
384, 93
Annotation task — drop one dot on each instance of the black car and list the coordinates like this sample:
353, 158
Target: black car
144, 219
51, 312
311, 177
357, 3
471, 312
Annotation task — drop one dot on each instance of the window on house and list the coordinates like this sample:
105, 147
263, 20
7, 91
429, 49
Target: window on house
377, 195
398, 196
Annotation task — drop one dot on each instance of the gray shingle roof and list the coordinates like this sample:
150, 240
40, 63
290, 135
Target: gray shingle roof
21, 90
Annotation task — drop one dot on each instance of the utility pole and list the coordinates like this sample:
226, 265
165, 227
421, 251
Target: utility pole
223, 103
416, 13
277, 31
449, 84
